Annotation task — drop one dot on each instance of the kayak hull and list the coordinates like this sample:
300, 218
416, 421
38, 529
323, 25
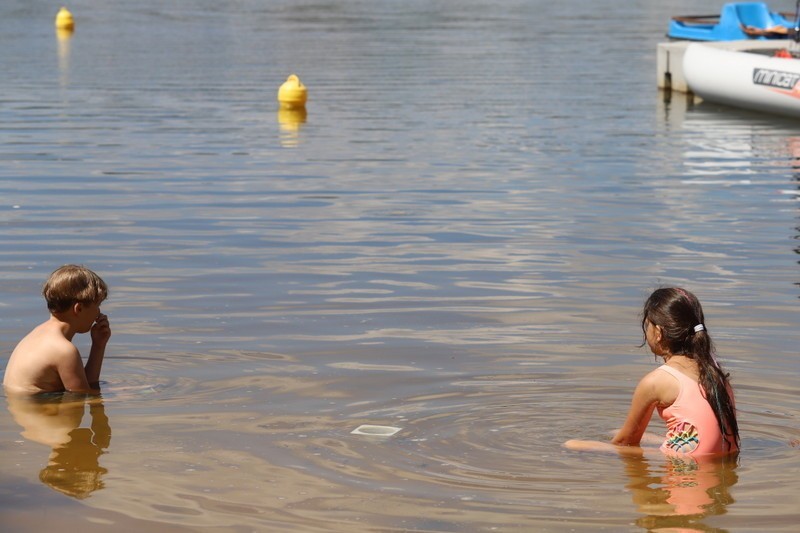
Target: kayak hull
743, 79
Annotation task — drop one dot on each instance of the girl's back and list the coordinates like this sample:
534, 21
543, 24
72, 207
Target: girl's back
692, 426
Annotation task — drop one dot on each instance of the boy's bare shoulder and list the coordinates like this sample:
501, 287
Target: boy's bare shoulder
35, 364
46, 340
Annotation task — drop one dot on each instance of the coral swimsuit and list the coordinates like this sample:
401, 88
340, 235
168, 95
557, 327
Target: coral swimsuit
692, 427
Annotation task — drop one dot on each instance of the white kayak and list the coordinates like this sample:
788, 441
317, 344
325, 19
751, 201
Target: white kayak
743, 79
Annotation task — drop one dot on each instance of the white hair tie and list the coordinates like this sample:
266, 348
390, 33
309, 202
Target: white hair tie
699, 327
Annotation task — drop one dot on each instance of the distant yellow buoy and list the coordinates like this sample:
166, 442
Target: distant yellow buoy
292, 93
64, 20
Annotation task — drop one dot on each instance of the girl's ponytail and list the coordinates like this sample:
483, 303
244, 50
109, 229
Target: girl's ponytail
716, 386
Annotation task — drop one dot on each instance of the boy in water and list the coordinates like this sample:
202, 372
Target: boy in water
46, 360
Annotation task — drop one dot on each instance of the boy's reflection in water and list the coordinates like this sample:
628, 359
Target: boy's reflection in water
55, 420
677, 493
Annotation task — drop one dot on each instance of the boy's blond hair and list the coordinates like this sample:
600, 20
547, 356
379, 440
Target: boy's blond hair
73, 284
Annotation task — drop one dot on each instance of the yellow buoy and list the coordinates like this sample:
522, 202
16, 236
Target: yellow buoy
64, 20
292, 93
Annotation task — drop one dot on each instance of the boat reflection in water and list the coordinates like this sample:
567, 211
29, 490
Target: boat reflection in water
677, 493
55, 420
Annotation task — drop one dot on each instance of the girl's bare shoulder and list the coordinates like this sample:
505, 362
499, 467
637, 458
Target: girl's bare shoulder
664, 386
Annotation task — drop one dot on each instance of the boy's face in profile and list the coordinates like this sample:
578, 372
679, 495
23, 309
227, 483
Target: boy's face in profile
87, 314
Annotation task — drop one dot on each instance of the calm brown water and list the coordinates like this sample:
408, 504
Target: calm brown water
454, 240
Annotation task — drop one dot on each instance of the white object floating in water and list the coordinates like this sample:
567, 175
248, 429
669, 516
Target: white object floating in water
375, 431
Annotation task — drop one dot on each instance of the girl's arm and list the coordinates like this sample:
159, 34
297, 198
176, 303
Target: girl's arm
645, 398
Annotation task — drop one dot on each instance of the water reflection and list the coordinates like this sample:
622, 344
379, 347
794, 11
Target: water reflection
794, 149
291, 120
731, 155
677, 493
64, 37
55, 420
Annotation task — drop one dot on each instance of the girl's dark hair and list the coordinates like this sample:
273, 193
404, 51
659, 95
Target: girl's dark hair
678, 312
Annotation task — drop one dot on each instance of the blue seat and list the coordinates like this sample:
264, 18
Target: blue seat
733, 18
755, 14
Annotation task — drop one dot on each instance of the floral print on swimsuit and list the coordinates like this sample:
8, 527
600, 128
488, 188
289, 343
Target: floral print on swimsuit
682, 439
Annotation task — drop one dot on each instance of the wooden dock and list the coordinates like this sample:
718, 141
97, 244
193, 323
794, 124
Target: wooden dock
669, 59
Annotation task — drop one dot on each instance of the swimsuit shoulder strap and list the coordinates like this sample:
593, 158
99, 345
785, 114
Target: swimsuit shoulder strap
677, 374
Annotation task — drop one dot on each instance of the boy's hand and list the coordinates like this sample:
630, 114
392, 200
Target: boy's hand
101, 330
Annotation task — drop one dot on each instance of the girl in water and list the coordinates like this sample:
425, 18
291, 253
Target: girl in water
690, 391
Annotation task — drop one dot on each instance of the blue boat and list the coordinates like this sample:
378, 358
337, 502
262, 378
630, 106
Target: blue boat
737, 21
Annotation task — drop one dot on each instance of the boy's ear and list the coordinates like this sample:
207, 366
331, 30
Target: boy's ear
77, 307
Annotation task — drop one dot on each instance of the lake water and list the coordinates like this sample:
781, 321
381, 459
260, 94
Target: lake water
454, 239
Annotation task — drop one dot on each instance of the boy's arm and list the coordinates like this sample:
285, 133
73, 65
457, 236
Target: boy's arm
101, 332
71, 372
